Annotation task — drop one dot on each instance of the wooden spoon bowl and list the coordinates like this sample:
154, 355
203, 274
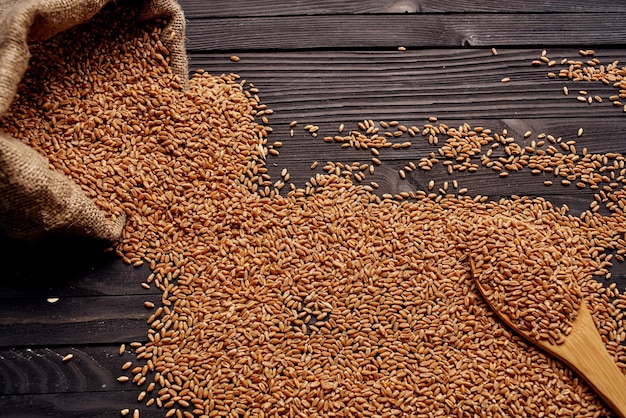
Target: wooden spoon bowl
583, 351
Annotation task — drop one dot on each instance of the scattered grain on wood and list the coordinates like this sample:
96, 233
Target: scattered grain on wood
591, 71
325, 299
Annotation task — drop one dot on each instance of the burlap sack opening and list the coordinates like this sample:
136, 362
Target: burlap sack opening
34, 200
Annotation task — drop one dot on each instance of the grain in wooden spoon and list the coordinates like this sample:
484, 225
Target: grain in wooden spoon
527, 275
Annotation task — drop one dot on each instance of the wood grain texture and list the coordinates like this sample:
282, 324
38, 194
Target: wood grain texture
42, 370
240, 8
300, 151
76, 405
84, 320
35, 382
412, 85
413, 31
326, 90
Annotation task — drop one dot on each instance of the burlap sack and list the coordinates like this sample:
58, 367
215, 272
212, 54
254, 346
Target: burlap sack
34, 200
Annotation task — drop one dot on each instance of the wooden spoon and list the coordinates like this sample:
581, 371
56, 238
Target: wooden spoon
583, 351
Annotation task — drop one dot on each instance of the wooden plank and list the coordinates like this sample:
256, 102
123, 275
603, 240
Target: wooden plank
323, 89
71, 320
64, 271
240, 8
451, 83
42, 370
413, 31
36, 382
456, 85
75, 405
299, 152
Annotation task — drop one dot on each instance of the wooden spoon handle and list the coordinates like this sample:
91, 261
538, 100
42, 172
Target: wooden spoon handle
586, 353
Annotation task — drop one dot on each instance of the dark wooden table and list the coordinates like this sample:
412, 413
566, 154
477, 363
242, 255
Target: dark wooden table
322, 63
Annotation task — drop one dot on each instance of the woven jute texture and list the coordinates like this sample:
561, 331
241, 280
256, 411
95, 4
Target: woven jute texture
34, 200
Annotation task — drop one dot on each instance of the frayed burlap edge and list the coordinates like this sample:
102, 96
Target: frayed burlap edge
173, 35
40, 201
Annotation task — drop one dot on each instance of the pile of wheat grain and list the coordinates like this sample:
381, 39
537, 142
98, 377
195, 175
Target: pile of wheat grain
324, 301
